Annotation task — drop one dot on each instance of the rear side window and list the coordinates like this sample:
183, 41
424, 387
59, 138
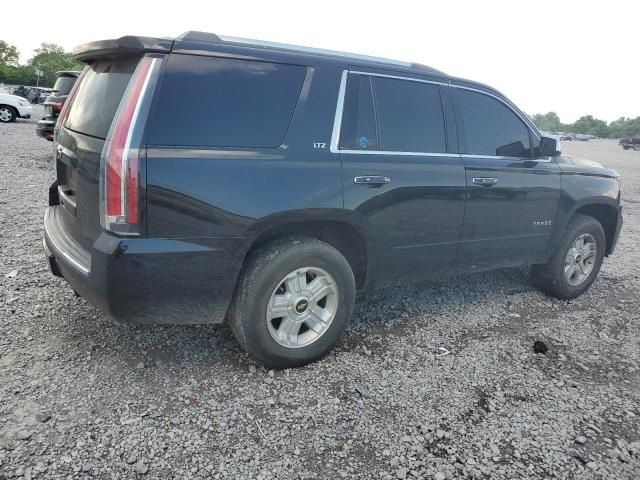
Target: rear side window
410, 116
64, 84
358, 130
490, 127
205, 101
99, 95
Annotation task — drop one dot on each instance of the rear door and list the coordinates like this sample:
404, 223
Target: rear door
80, 143
400, 173
513, 194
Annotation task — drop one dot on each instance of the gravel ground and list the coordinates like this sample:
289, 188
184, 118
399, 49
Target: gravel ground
85, 397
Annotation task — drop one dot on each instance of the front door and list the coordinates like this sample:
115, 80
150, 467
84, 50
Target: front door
400, 175
513, 194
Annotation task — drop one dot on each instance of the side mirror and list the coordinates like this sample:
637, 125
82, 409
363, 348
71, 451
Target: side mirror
549, 147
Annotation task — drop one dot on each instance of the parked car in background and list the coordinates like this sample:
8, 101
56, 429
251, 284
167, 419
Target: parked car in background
630, 143
38, 95
299, 178
12, 107
21, 91
567, 136
583, 138
53, 104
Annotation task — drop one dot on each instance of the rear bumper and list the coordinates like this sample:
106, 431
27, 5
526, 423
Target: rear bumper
44, 128
141, 280
616, 234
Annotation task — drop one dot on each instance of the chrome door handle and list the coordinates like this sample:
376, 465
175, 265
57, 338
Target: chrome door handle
485, 181
372, 180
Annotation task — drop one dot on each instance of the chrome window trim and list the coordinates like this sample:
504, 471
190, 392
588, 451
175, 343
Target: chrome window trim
390, 152
397, 77
500, 157
337, 121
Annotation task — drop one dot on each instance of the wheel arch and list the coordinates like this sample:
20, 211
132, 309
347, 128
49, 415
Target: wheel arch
604, 210
605, 213
347, 234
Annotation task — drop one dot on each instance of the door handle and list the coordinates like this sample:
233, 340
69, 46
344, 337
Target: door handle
485, 181
372, 180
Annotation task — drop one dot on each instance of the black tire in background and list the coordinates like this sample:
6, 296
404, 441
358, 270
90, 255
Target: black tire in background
263, 273
550, 278
8, 114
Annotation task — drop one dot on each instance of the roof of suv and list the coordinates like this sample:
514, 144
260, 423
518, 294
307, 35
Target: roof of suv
135, 44
68, 73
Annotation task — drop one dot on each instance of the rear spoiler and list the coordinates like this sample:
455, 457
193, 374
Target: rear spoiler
123, 46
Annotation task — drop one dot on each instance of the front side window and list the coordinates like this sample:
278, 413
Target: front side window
490, 127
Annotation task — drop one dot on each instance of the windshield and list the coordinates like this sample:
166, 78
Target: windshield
64, 84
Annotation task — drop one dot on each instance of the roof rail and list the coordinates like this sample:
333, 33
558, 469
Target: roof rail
213, 38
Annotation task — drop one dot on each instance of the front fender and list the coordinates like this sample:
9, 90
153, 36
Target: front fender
584, 192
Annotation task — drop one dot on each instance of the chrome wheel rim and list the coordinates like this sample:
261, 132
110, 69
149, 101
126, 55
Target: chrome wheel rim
302, 307
5, 114
580, 260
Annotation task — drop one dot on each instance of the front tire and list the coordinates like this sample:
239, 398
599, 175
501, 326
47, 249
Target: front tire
576, 262
8, 114
293, 301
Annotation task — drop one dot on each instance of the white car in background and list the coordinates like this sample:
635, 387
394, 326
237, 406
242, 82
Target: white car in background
12, 107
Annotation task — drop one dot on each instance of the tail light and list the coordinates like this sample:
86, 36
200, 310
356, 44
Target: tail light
120, 161
57, 107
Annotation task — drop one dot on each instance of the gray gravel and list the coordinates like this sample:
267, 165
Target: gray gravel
435, 380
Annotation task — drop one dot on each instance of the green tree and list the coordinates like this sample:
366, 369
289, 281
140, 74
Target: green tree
51, 58
625, 127
589, 125
549, 122
8, 54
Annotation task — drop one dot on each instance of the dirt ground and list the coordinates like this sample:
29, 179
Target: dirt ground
85, 397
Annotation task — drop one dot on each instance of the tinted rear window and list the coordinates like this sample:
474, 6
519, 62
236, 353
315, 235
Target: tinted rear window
204, 101
409, 116
64, 84
98, 97
359, 130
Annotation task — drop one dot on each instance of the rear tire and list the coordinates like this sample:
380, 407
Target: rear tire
8, 114
576, 263
307, 281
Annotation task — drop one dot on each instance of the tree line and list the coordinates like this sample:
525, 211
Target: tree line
49, 58
588, 125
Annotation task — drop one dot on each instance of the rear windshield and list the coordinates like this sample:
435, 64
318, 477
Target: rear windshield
99, 95
64, 85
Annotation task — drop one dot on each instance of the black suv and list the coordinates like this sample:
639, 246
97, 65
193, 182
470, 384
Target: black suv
54, 102
206, 179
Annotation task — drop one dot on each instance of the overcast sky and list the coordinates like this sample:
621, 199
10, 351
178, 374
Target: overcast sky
572, 57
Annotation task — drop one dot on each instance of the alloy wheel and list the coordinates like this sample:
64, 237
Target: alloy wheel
580, 259
302, 307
